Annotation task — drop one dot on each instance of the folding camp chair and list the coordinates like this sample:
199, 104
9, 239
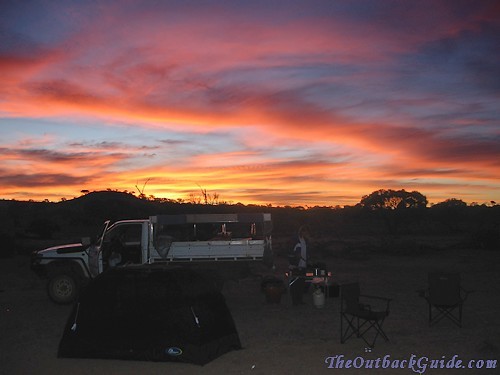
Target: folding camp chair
360, 317
445, 297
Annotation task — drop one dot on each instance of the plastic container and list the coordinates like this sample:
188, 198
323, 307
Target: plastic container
319, 298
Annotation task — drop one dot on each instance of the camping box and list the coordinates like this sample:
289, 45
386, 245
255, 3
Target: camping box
150, 314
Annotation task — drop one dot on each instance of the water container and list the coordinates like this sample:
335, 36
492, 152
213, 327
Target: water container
319, 298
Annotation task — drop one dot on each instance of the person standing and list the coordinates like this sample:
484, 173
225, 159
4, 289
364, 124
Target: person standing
297, 258
297, 285
301, 247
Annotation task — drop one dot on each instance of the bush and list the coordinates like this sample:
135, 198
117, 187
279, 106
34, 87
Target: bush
43, 228
488, 239
7, 246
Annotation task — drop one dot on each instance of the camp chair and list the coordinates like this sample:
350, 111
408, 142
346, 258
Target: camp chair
445, 296
360, 317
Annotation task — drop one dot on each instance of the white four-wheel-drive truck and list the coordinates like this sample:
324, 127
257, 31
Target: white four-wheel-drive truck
221, 245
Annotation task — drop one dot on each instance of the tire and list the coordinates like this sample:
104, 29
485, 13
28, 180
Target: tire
62, 289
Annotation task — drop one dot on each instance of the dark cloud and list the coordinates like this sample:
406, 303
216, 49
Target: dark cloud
173, 142
464, 59
41, 180
483, 64
112, 146
465, 150
56, 156
63, 91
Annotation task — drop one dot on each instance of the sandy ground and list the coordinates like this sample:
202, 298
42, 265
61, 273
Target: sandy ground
281, 339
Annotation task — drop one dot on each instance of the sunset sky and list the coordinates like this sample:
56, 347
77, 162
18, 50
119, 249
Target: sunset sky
268, 102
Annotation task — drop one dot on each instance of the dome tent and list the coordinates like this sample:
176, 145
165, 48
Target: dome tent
151, 314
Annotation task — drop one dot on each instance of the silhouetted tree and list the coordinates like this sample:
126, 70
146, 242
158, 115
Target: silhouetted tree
142, 195
451, 214
205, 198
452, 202
393, 199
392, 206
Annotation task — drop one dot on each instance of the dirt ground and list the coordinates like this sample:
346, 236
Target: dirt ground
280, 338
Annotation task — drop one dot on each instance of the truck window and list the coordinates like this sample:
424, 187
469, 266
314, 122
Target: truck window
122, 244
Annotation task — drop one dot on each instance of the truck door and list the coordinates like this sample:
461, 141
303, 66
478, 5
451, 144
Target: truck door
95, 254
94, 260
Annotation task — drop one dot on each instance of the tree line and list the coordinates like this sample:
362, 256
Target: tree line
379, 199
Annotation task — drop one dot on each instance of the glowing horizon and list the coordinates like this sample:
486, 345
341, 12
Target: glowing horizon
292, 103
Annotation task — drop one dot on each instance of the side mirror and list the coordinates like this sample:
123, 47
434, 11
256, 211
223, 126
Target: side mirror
86, 241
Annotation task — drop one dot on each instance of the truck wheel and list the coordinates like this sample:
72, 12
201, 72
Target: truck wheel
62, 289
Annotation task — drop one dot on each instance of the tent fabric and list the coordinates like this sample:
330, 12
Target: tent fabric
150, 314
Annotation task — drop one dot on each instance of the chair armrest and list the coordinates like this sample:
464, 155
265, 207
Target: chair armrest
364, 306
375, 297
387, 300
